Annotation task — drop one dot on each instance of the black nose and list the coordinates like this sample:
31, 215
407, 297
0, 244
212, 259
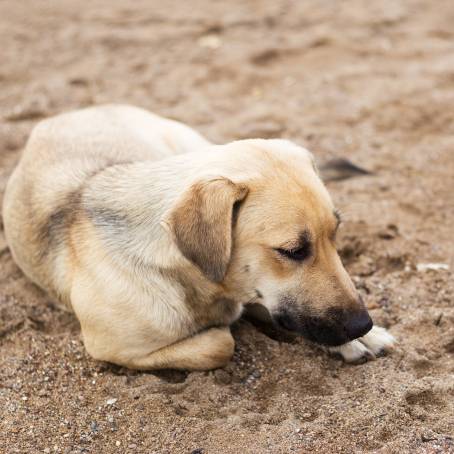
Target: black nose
358, 324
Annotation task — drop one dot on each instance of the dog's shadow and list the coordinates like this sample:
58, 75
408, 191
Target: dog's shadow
167, 376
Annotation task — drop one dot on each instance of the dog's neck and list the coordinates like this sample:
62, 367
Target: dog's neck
126, 204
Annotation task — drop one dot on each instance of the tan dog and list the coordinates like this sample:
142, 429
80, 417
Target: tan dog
157, 239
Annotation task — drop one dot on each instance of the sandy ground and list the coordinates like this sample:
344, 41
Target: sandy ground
372, 81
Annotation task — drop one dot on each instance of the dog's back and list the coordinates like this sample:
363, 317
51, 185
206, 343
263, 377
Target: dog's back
63, 153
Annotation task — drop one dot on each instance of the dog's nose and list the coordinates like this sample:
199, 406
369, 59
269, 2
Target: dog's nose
358, 324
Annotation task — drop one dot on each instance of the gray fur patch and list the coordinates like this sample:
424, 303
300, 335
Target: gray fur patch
52, 234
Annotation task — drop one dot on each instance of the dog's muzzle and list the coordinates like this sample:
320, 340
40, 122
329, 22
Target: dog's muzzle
337, 327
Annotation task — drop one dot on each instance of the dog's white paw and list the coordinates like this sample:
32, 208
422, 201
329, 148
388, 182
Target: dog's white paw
378, 340
375, 343
353, 352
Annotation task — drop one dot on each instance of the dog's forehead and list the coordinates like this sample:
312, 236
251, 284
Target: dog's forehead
285, 189
297, 187
286, 205
306, 206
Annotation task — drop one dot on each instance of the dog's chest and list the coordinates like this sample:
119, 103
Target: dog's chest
204, 302
212, 311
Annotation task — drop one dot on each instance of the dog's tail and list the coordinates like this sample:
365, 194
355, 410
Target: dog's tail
340, 169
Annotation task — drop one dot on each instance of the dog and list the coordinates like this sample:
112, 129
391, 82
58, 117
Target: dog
157, 239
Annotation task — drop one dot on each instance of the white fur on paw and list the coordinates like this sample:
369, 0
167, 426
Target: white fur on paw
378, 340
353, 352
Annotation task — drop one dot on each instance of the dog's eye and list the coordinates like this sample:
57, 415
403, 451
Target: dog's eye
298, 255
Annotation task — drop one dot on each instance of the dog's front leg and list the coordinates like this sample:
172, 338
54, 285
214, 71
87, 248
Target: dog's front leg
118, 330
375, 343
206, 350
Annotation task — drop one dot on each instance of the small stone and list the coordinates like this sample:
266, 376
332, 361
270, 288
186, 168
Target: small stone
111, 401
256, 374
432, 267
117, 443
210, 41
78, 81
389, 233
47, 450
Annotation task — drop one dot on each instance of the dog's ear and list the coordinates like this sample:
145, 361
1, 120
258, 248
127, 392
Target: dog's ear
201, 223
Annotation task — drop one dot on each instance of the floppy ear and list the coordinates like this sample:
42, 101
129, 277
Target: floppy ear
201, 223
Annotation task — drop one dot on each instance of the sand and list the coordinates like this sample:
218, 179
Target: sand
369, 81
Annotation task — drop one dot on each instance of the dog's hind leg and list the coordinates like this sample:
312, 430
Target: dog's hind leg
206, 350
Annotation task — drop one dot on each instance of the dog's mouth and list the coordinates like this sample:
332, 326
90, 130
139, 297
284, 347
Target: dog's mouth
320, 330
313, 329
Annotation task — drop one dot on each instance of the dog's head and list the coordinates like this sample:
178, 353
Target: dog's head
266, 232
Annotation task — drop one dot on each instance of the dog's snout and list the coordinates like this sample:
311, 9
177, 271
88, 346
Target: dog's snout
337, 326
358, 324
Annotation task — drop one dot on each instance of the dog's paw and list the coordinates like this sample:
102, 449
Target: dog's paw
378, 341
353, 352
375, 343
